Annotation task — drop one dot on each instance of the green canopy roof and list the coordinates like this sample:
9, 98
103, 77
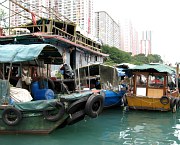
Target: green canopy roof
21, 53
155, 67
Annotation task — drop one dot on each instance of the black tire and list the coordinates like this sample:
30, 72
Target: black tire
164, 100
77, 105
76, 117
55, 114
172, 103
178, 103
124, 100
94, 105
11, 116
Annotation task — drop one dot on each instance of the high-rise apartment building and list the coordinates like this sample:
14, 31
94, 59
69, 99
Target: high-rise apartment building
19, 16
145, 42
78, 11
129, 37
106, 29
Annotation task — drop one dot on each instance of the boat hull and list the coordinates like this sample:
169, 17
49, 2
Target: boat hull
112, 98
148, 103
31, 123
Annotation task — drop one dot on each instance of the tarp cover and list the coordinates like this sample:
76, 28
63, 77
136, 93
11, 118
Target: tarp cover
20, 53
38, 105
156, 67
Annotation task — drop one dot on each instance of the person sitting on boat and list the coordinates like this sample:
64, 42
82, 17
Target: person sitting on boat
25, 80
125, 83
67, 71
98, 84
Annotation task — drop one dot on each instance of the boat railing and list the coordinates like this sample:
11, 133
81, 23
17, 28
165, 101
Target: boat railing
78, 38
64, 34
87, 43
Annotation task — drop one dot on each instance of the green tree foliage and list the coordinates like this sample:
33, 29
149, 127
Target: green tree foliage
117, 56
140, 59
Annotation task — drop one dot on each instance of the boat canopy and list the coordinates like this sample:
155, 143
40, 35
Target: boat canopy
154, 67
21, 53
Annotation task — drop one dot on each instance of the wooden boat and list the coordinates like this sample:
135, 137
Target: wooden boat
40, 105
104, 79
150, 88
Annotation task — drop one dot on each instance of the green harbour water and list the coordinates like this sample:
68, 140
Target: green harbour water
112, 127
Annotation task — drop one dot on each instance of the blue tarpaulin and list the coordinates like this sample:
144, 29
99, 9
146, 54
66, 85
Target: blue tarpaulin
121, 72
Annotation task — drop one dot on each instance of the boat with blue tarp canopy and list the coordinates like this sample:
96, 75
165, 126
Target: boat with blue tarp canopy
31, 101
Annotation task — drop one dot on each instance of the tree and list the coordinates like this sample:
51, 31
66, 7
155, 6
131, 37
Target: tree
117, 56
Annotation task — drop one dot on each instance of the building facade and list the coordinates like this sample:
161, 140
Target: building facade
20, 16
79, 11
106, 29
145, 42
129, 37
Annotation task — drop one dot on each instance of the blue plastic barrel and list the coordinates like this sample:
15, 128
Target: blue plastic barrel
44, 94
41, 94
34, 87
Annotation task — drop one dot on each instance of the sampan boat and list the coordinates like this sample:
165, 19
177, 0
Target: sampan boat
151, 88
33, 102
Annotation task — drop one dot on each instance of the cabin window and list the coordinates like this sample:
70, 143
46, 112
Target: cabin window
141, 80
156, 81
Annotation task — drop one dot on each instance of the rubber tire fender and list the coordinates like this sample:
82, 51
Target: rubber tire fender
94, 105
124, 100
49, 114
76, 117
172, 103
77, 105
164, 98
8, 112
178, 103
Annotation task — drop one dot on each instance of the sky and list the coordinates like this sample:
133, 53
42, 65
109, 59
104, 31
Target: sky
162, 17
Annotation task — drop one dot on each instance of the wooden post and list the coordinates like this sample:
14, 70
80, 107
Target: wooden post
43, 25
177, 77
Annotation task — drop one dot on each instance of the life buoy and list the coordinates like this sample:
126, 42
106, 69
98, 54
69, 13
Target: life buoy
77, 105
55, 114
11, 116
94, 105
164, 100
76, 117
